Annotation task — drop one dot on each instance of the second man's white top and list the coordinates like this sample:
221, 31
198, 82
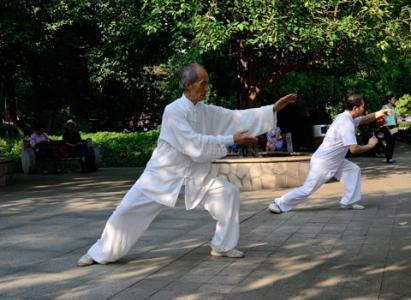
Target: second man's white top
337, 140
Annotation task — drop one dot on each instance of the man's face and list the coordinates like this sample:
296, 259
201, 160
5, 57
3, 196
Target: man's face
198, 90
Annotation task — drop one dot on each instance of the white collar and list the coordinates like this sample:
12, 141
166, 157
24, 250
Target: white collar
348, 114
187, 102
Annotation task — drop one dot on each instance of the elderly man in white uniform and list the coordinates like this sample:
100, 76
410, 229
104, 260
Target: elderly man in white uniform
192, 135
329, 159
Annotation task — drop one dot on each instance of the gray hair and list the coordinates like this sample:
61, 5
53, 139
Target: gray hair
352, 101
188, 76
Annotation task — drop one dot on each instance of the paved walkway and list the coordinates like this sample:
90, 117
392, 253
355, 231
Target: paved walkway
315, 252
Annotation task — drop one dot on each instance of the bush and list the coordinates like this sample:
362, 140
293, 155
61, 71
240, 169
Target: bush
10, 148
404, 134
124, 149
3, 149
403, 106
116, 149
404, 125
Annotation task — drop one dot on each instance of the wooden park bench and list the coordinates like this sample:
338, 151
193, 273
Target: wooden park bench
28, 156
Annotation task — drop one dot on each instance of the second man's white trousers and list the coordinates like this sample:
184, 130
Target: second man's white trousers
348, 173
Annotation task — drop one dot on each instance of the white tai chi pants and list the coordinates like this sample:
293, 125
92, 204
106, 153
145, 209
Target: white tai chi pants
135, 213
348, 173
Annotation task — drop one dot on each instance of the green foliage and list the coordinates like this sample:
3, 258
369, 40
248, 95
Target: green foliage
10, 148
404, 132
355, 41
403, 105
404, 135
81, 59
316, 91
404, 124
116, 149
3, 149
124, 149
101, 61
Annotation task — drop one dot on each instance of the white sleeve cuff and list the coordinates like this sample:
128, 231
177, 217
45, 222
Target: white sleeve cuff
270, 116
226, 139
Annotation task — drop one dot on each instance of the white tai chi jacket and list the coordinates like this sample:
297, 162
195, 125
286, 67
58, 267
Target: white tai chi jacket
191, 137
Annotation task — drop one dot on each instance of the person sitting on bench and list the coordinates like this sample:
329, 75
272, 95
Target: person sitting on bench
43, 149
76, 147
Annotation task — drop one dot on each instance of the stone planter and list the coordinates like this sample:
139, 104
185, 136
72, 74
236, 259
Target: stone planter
6, 172
251, 174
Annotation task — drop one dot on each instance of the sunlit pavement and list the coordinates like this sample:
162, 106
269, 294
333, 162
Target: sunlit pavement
318, 251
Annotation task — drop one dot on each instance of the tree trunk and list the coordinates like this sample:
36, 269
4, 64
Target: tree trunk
247, 70
249, 88
10, 102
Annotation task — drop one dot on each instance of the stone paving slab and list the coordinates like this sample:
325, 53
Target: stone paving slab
317, 251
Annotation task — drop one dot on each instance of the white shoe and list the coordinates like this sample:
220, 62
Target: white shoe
353, 206
274, 208
234, 253
85, 260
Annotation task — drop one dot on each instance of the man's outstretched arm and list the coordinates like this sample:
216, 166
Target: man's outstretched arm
259, 120
375, 115
284, 101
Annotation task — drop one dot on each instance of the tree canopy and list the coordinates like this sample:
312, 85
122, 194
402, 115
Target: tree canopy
108, 60
268, 39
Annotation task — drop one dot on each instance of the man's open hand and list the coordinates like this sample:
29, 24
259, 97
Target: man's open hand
383, 112
284, 101
242, 138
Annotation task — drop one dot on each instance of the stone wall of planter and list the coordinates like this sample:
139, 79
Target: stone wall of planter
6, 172
251, 174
